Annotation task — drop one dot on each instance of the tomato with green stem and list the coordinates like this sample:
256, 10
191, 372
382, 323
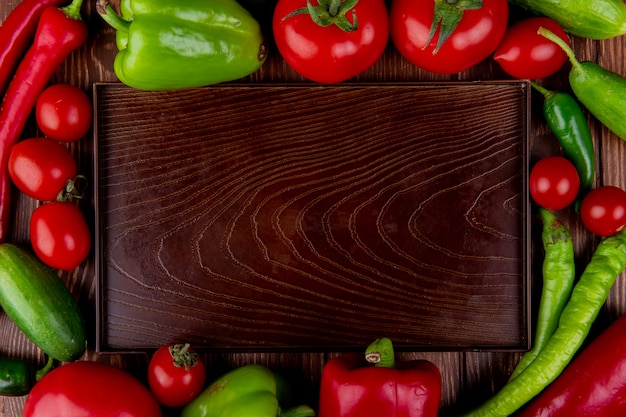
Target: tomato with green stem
176, 375
447, 37
330, 41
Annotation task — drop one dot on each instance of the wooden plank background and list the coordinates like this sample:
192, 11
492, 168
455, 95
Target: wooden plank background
468, 377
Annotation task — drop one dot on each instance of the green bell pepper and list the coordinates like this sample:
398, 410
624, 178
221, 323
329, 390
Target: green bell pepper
248, 391
171, 44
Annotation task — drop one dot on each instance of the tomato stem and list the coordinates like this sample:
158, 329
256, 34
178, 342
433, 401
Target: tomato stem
330, 12
182, 356
446, 17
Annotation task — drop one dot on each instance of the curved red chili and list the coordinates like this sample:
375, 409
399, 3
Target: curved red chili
59, 32
16, 34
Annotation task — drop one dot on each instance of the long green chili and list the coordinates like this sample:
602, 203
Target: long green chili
558, 280
567, 121
588, 297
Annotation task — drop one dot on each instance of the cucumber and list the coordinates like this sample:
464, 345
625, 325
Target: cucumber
593, 19
602, 92
39, 303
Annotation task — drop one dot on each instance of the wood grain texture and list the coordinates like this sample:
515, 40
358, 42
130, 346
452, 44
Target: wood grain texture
258, 215
468, 377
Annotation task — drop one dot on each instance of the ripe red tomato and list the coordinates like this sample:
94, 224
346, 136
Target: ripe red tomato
176, 375
59, 235
63, 112
328, 54
476, 36
525, 54
96, 389
603, 210
554, 183
41, 167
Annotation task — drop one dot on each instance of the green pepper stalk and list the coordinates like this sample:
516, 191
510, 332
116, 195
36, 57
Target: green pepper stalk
559, 273
588, 297
248, 391
568, 123
381, 353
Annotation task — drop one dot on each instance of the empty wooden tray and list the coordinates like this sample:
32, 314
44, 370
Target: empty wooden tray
311, 217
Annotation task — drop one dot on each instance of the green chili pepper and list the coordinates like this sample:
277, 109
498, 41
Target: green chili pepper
17, 377
558, 280
249, 391
588, 297
167, 44
569, 124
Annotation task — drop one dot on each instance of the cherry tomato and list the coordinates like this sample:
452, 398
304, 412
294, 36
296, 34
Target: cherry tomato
63, 112
525, 54
59, 235
330, 54
176, 375
83, 388
474, 38
603, 210
554, 183
41, 168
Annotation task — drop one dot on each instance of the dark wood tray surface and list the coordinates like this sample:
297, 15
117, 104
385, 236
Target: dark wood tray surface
313, 217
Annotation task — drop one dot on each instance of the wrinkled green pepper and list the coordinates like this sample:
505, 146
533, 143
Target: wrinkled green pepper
167, 44
248, 391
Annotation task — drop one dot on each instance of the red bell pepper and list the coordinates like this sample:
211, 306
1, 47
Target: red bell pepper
351, 388
594, 383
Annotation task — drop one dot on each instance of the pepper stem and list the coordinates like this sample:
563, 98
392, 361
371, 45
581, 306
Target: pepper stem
72, 10
544, 91
381, 353
299, 411
43, 371
104, 9
561, 43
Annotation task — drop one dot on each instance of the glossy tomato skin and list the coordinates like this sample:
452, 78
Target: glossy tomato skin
603, 210
171, 385
60, 235
525, 54
94, 389
63, 112
554, 183
41, 167
475, 38
329, 54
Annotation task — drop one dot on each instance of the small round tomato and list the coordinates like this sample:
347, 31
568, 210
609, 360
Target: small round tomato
461, 45
337, 48
603, 210
525, 54
59, 235
176, 375
554, 183
63, 112
41, 168
86, 388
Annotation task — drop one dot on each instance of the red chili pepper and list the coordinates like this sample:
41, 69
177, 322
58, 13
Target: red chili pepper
349, 388
59, 32
594, 383
17, 32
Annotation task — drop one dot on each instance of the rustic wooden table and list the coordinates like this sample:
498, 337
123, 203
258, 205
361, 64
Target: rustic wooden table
468, 377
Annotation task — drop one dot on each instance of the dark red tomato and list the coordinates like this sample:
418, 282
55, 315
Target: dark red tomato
41, 167
330, 54
63, 112
525, 54
603, 210
59, 235
474, 39
94, 389
554, 183
176, 375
